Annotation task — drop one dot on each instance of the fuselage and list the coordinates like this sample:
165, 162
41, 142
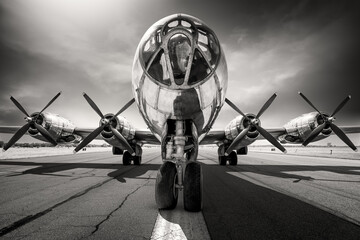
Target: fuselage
179, 73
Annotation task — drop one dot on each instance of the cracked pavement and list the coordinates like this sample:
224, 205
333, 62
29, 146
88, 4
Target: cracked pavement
83, 205
93, 196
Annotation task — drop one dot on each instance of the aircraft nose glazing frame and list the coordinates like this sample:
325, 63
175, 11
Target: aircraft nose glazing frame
165, 47
160, 39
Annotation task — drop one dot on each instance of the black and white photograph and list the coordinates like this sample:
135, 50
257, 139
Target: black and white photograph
179, 119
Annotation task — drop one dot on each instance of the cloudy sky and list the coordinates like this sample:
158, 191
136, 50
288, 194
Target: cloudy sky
47, 46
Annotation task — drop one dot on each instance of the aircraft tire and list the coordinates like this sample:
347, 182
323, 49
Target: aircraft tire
193, 187
233, 160
127, 158
222, 160
137, 160
117, 151
166, 193
242, 151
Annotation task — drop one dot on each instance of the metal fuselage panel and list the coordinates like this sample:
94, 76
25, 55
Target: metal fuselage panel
199, 102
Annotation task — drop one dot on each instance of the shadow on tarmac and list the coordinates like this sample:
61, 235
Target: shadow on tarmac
238, 209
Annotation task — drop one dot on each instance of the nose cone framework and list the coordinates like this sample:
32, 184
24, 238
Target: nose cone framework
179, 51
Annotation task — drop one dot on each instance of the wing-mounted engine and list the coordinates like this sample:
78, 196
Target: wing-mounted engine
300, 128
237, 125
315, 126
34, 125
115, 130
122, 125
245, 129
61, 129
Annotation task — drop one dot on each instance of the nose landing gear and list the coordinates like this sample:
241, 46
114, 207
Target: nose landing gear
178, 173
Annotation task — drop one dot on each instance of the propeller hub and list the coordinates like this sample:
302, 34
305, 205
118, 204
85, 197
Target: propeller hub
28, 119
331, 119
105, 121
255, 121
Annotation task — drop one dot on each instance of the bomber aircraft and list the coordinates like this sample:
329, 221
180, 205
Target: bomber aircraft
179, 82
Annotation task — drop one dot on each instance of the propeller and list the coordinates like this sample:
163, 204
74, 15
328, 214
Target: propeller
31, 122
105, 123
328, 121
254, 123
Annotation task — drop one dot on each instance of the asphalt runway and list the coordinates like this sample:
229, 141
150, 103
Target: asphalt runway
93, 196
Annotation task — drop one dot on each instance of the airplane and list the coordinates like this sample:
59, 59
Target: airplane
179, 83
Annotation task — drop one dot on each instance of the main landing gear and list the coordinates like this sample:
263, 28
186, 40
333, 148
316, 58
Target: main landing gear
232, 158
178, 174
127, 157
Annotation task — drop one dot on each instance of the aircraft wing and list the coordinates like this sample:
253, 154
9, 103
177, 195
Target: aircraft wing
275, 132
218, 136
9, 129
350, 129
146, 137
141, 136
84, 132
213, 137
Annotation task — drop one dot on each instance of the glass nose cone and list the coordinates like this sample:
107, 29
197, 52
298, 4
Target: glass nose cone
179, 52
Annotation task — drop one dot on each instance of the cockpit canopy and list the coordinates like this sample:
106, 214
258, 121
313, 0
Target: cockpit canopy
179, 51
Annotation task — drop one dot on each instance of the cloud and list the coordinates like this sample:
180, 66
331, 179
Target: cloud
67, 41
89, 45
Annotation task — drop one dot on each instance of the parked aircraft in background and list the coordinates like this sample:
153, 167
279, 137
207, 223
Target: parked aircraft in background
179, 82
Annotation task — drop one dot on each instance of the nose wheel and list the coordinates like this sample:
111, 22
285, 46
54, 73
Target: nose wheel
179, 173
166, 192
193, 187
168, 184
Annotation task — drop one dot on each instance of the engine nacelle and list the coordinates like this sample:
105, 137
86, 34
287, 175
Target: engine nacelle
238, 124
298, 129
122, 125
61, 129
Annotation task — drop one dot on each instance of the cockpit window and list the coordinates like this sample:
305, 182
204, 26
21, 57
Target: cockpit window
179, 52
208, 46
185, 24
158, 69
199, 68
151, 46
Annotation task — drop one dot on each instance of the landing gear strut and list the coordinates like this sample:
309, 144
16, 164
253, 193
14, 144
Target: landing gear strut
171, 176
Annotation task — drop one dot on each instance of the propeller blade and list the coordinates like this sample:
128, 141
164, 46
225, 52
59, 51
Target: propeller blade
17, 136
89, 138
123, 108
122, 140
45, 134
266, 105
93, 105
343, 136
308, 101
51, 101
237, 140
236, 109
314, 134
270, 138
19, 106
341, 105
